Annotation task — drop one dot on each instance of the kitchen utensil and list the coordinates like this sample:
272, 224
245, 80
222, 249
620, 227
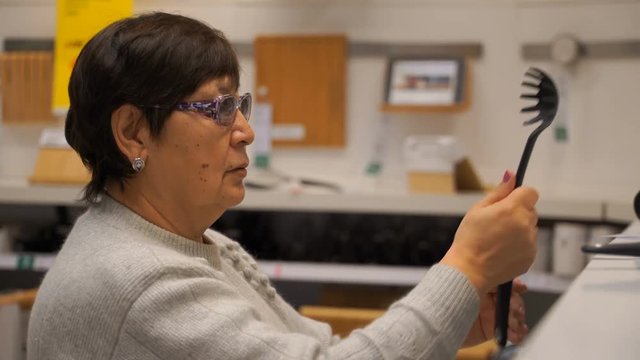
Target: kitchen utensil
627, 249
547, 107
636, 204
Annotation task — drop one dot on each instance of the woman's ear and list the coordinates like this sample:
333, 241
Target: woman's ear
130, 131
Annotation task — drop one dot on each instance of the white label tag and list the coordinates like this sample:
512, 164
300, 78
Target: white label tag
261, 124
53, 138
288, 132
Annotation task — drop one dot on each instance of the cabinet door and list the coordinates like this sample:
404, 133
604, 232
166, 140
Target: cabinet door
303, 78
25, 85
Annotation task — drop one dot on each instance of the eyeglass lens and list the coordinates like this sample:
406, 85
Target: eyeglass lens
227, 109
245, 106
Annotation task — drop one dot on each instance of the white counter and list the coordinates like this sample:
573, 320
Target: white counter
597, 318
19, 191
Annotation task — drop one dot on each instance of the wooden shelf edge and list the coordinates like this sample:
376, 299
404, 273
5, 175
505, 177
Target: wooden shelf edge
436, 109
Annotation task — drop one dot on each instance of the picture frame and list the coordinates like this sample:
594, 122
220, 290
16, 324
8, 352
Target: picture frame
426, 84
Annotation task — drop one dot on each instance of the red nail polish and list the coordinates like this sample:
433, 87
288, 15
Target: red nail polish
506, 177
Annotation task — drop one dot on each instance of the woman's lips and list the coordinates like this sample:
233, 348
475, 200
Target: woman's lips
239, 171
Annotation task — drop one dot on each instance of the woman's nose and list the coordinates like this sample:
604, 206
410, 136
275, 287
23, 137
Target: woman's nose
242, 132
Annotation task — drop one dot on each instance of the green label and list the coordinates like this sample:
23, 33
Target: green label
25, 262
374, 168
262, 161
561, 134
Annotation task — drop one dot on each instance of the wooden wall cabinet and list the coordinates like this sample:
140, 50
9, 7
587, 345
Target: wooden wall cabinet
25, 85
303, 78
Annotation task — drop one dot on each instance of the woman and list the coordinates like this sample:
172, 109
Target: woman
156, 116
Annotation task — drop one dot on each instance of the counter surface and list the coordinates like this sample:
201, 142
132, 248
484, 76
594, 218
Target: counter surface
599, 315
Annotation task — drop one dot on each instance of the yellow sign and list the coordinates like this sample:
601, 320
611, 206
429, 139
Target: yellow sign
77, 22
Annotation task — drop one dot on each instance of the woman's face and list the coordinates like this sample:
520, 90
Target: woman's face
196, 165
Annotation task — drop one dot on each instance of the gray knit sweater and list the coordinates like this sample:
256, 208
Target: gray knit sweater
123, 288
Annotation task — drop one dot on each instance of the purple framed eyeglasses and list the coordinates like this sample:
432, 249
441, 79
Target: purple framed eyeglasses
222, 109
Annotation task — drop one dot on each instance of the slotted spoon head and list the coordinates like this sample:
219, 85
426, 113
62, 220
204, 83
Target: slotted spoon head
546, 95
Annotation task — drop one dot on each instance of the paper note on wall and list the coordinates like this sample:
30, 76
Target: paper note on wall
76, 22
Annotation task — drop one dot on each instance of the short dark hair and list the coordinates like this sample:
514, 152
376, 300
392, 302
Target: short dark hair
146, 60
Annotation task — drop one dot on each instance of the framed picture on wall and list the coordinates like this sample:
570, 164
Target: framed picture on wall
425, 83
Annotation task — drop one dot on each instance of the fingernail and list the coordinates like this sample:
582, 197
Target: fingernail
506, 177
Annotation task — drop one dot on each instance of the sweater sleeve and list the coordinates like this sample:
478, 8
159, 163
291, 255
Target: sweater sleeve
184, 316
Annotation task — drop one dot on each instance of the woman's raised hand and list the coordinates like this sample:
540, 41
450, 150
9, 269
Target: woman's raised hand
496, 240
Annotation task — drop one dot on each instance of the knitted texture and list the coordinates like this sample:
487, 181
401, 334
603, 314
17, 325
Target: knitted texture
123, 288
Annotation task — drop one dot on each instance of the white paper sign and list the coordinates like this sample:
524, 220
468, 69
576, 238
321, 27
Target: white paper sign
261, 124
288, 132
53, 138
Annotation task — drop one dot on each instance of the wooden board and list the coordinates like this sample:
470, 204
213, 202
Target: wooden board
344, 320
463, 179
25, 84
24, 298
60, 166
431, 182
303, 77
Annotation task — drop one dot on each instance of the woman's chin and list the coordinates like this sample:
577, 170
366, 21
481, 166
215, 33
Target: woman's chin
235, 196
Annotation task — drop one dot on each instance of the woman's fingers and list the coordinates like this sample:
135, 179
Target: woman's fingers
516, 306
517, 319
496, 239
526, 196
516, 337
519, 287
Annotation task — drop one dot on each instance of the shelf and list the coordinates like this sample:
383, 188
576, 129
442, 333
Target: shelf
27, 261
433, 109
384, 275
21, 192
620, 212
317, 272
569, 209
342, 273
446, 205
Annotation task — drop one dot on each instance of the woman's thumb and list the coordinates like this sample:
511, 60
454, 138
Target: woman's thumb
501, 191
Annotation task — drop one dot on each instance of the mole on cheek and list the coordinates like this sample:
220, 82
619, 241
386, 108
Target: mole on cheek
204, 166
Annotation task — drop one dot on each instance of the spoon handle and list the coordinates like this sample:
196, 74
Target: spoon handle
627, 249
504, 290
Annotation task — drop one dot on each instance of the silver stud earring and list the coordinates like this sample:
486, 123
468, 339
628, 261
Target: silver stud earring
137, 164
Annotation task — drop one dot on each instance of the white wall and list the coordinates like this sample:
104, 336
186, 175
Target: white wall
600, 161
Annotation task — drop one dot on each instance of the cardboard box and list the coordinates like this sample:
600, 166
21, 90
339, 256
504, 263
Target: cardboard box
462, 178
